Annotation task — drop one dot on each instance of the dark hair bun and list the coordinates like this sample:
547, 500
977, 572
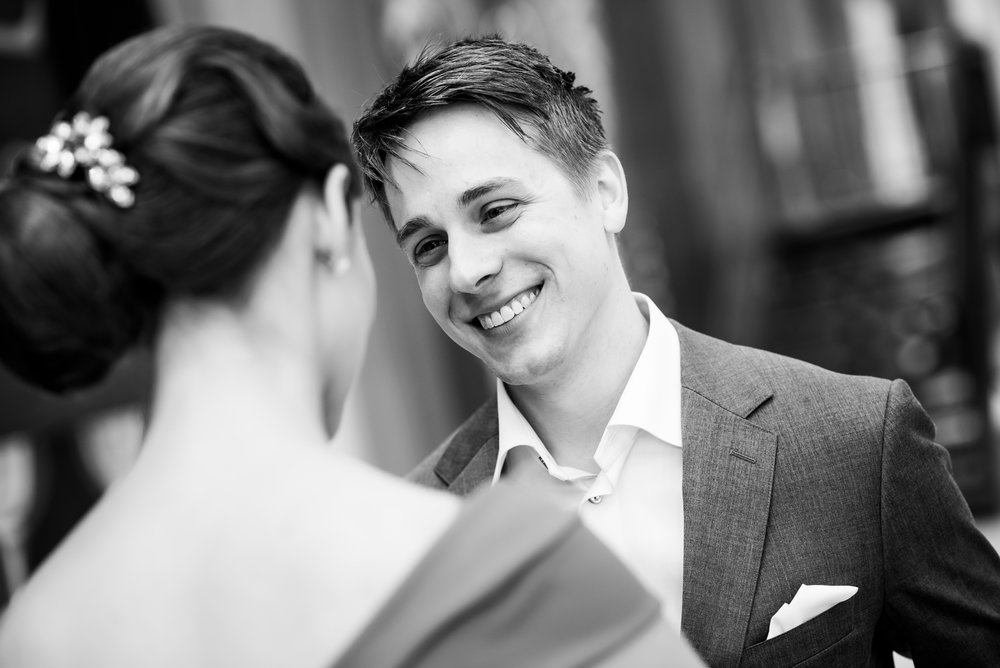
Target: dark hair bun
223, 131
68, 308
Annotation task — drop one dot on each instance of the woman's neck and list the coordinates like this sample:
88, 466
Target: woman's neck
222, 385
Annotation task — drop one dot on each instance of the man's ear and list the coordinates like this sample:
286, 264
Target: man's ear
333, 233
612, 191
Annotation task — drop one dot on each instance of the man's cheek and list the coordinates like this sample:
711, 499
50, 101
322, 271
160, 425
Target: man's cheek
433, 300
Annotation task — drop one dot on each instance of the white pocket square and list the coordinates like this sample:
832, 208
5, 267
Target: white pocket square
809, 601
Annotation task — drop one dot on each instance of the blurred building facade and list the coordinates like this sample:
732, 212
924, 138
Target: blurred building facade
815, 177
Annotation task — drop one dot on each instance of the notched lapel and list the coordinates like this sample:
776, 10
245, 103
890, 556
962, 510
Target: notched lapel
470, 455
728, 471
479, 470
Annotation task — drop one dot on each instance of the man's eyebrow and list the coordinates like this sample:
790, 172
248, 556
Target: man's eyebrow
414, 225
475, 192
411, 227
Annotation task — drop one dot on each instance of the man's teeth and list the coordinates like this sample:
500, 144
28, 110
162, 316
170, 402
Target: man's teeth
508, 311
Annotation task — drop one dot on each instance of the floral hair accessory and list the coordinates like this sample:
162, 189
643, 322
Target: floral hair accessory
85, 143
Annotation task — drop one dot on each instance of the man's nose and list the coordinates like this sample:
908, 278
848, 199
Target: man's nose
474, 259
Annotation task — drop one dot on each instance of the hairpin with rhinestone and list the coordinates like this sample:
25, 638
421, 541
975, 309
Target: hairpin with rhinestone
85, 143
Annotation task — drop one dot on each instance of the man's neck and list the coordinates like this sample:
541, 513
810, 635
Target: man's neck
570, 413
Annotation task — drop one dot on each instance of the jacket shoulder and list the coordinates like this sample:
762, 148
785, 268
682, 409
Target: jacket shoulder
720, 368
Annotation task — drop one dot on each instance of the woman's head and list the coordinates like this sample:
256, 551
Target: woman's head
224, 132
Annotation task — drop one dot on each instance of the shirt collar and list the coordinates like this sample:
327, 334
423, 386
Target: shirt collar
512, 429
650, 401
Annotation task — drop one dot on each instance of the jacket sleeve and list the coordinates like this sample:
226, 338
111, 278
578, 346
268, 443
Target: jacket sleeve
942, 595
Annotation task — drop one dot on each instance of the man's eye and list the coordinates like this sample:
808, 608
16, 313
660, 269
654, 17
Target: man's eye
429, 251
498, 212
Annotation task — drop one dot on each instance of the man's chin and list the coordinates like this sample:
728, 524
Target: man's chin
514, 362
524, 372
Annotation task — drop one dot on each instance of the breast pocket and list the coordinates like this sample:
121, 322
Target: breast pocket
804, 642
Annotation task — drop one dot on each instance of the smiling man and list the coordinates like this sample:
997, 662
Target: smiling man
725, 477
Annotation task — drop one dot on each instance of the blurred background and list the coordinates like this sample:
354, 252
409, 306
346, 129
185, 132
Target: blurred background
818, 178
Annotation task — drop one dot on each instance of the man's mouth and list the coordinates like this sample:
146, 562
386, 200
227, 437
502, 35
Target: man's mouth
510, 310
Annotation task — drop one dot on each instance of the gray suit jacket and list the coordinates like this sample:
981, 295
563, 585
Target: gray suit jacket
796, 475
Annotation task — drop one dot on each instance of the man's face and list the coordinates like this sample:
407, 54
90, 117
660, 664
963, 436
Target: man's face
513, 262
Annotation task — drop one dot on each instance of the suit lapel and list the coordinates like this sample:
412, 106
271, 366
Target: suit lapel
479, 470
728, 470
471, 455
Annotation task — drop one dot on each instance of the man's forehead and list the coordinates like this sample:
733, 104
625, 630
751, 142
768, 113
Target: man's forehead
452, 127
450, 155
407, 195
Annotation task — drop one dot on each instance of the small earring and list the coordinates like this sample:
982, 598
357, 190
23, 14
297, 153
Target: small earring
336, 265
341, 265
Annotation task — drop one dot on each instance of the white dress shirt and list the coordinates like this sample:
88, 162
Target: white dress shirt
632, 499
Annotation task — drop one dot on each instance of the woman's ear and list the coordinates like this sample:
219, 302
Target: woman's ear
333, 234
612, 191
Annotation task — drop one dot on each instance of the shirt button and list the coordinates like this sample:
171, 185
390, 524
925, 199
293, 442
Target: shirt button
595, 499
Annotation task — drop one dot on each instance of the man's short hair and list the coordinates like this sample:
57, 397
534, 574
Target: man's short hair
535, 99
